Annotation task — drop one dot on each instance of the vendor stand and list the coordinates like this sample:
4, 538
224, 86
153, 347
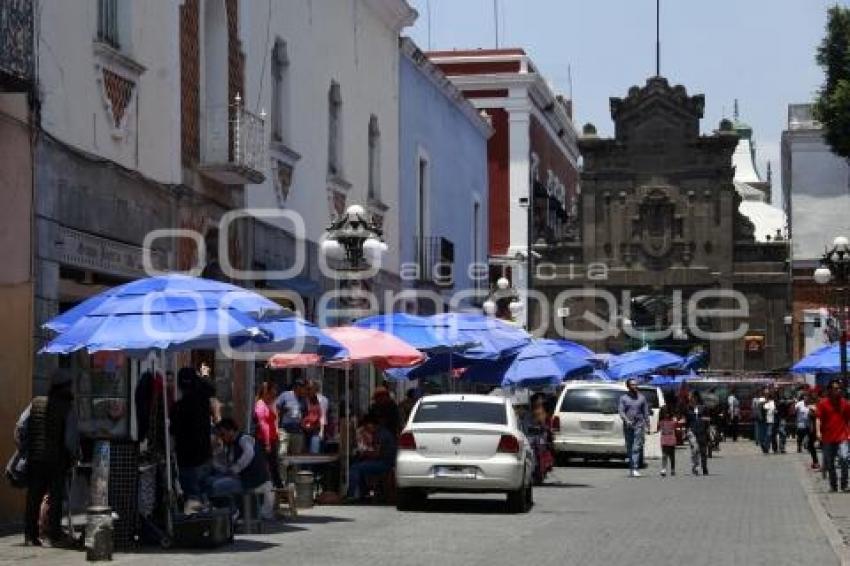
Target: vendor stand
151, 318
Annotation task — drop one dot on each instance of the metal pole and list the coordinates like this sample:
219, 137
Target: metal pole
843, 333
169, 488
657, 38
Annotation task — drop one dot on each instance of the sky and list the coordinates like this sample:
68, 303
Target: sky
758, 51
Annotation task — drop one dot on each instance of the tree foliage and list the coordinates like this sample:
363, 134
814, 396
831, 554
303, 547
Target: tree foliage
832, 107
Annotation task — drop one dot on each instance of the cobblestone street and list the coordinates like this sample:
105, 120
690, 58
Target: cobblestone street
752, 510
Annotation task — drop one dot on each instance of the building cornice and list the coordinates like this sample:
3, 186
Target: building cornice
396, 14
410, 51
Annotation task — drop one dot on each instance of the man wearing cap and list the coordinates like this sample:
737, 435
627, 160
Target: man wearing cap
52, 441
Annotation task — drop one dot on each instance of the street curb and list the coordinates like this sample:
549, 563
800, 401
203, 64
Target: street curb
836, 541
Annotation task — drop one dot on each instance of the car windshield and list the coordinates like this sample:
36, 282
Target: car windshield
651, 394
461, 412
600, 400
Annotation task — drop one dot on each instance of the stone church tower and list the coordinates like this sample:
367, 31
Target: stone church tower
660, 222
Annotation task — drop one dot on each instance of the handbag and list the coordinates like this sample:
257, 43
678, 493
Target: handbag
17, 470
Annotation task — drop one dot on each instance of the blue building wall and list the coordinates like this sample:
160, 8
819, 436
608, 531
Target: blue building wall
434, 125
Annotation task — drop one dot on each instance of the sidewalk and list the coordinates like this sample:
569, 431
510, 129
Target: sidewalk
831, 509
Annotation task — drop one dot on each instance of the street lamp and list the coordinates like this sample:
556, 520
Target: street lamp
835, 266
353, 237
501, 293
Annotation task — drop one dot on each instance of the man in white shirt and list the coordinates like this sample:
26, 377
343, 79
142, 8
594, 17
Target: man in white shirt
734, 408
314, 387
770, 437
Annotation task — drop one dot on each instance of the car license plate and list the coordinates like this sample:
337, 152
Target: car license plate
595, 426
464, 472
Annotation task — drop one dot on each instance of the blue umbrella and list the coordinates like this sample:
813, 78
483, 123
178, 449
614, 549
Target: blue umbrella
292, 335
641, 362
418, 331
823, 360
695, 361
475, 337
573, 348
165, 312
542, 362
490, 337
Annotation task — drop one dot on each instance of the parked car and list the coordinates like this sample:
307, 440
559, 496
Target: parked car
586, 422
464, 443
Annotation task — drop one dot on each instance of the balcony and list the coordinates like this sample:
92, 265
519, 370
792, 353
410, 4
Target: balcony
436, 259
233, 150
16, 45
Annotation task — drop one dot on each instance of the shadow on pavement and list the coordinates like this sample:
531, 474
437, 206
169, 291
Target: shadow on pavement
315, 520
474, 506
563, 485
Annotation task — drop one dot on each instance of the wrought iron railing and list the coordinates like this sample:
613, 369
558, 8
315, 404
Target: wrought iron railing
16, 43
435, 256
234, 136
761, 251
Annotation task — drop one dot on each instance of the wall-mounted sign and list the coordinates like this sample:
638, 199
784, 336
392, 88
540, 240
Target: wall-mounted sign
94, 253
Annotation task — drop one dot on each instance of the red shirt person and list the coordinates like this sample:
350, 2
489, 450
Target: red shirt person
833, 431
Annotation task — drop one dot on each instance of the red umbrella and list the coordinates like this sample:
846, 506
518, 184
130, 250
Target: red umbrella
364, 345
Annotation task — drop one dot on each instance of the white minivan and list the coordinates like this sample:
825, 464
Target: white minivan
587, 423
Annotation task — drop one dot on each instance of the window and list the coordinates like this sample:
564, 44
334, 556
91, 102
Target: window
280, 90
461, 412
374, 158
605, 401
334, 130
107, 22
422, 181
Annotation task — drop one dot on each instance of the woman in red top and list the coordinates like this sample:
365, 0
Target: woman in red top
833, 432
266, 419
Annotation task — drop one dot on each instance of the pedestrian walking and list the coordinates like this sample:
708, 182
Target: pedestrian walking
784, 411
634, 410
734, 415
667, 430
812, 401
833, 415
758, 417
801, 422
698, 423
769, 439
52, 440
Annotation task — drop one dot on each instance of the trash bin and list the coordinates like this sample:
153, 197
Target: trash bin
304, 489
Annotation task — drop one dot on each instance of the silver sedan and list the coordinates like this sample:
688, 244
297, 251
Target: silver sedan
464, 443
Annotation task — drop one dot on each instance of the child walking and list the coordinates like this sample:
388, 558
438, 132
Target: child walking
667, 428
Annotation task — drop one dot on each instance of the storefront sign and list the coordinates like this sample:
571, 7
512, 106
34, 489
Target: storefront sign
101, 254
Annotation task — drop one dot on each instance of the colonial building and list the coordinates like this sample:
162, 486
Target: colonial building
532, 155
816, 198
443, 187
17, 134
326, 75
660, 222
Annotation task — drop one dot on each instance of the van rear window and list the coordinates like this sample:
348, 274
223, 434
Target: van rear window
461, 412
651, 394
605, 401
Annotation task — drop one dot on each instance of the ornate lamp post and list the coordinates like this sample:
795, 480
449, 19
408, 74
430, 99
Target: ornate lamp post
354, 238
835, 266
503, 292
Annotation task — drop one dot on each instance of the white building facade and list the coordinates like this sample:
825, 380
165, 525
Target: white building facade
325, 74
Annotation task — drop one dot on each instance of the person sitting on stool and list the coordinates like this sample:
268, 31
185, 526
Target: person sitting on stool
374, 463
245, 468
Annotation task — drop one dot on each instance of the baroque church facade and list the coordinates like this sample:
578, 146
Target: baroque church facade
664, 257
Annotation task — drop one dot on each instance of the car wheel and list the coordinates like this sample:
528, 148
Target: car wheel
410, 499
529, 497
